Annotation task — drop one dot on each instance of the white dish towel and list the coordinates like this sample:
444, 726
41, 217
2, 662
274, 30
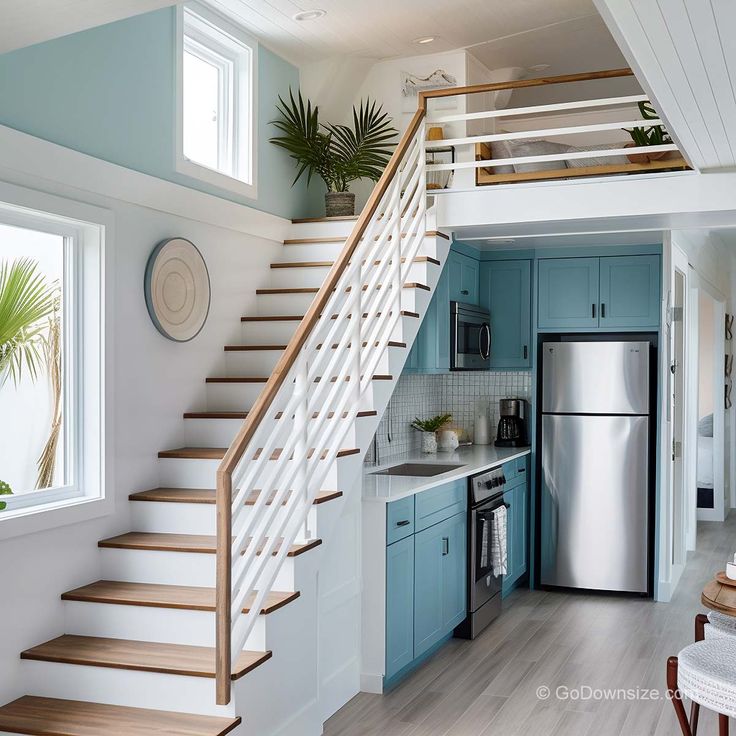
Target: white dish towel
499, 558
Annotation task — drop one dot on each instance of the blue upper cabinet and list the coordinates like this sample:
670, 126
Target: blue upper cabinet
464, 274
433, 339
568, 293
607, 293
629, 292
505, 291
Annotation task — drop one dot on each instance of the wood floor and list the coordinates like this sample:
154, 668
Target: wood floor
488, 686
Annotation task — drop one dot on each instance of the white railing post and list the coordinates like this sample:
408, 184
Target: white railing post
395, 252
301, 427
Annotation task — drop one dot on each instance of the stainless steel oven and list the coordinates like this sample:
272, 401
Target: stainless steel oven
470, 337
484, 588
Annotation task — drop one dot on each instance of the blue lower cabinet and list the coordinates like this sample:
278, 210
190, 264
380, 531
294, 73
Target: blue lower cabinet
399, 605
516, 496
439, 581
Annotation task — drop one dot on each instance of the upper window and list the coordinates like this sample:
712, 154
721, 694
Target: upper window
216, 121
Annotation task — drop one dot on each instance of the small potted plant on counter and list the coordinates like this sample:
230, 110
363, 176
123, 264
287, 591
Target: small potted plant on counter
429, 428
338, 154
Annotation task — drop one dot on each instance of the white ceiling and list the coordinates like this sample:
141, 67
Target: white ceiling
25, 22
684, 54
382, 29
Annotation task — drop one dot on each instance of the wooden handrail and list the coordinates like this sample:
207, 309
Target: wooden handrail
536, 82
279, 374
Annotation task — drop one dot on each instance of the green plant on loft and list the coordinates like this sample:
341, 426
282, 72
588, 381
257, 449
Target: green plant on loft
651, 135
26, 301
338, 154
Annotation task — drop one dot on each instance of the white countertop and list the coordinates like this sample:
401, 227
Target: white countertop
473, 460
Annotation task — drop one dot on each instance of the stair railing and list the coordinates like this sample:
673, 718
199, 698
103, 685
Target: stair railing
285, 451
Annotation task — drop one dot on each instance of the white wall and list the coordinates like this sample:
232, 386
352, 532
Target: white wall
154, 380
706, 392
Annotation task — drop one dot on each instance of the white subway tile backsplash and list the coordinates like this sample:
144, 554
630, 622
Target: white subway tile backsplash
457, 393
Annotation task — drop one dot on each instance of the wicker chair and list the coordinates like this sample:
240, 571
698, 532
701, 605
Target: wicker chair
705, 672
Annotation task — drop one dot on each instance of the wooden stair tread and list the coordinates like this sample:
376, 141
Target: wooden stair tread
253, 348
217, 453
128, 654
207, 496
274, 318
165, 596
197, 543
315, 289
54, 717
215, 415
329, 264
335, 218
236, 379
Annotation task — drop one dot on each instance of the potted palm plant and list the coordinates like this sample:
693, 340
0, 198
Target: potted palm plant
429, 429
338, 154
651, 135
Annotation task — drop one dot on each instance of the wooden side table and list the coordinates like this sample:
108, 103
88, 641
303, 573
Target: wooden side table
719, 597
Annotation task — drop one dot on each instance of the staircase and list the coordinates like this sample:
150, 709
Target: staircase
142, 651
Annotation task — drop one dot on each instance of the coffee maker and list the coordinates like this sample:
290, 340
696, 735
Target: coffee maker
511, 430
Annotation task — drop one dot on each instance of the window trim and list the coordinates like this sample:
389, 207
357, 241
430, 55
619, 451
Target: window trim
87, 497
244, 80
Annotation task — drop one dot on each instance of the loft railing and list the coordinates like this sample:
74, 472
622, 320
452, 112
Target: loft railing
479, 148
291, 437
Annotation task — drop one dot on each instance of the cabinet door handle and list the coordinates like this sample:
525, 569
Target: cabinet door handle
445, 546
522, 470
465, 292
592, 311
403, 522
526, 352
603, 310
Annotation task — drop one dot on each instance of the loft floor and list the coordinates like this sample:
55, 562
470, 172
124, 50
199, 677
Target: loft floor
488, 687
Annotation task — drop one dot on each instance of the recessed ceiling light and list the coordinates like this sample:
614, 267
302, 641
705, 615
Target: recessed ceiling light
309, 14
425, 39
538, 67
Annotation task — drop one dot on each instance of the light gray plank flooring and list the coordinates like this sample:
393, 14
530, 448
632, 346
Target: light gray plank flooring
488, 687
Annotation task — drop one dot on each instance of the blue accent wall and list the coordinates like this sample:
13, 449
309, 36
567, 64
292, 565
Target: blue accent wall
110, 92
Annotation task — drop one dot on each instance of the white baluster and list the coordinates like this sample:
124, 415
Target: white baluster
301, 427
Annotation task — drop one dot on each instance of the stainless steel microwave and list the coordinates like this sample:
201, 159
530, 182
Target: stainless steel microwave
470, 337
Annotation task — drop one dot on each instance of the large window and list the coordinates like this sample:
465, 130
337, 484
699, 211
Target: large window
50, 362
216, 120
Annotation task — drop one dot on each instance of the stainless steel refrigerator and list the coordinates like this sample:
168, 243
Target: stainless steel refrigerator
595, 482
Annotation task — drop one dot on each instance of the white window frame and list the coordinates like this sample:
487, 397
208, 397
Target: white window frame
213, 38
84, 363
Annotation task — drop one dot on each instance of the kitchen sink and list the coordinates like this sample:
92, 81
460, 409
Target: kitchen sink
418, 470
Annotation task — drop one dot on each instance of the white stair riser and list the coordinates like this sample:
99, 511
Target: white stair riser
251, 362
315, 276
284, 304
303, 252
189, 473
183, 518
321, 229
221, 432
181, 568
268, 333
129, 688
232, 396
147, 623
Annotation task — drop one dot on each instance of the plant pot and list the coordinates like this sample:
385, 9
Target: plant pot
339, 204
645, 158
429, 443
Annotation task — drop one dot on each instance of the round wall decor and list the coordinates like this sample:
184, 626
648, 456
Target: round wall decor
177, 289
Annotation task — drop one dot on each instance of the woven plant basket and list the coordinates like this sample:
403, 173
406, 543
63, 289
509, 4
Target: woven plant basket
339, 204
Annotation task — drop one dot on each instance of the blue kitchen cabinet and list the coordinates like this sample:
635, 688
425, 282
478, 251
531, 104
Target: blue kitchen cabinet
629, 292
464, 273
606, 293
568, 293
433, 338
505, 291
439, 581
399, 605
516, 497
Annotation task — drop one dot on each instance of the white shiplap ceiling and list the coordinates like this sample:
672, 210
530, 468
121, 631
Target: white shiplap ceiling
25, 22
380, 29
684, 54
